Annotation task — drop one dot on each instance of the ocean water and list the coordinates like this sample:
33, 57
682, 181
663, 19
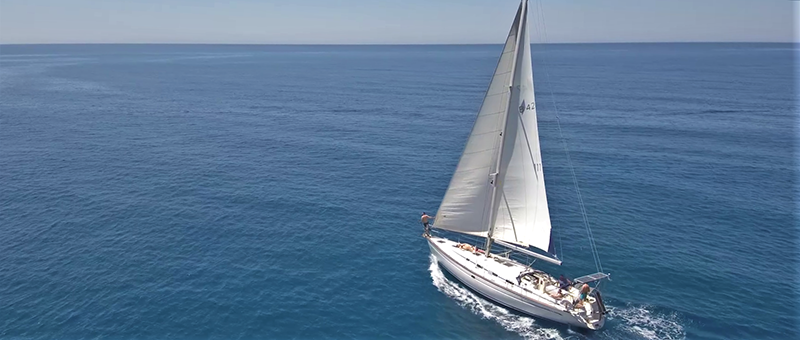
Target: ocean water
273, 192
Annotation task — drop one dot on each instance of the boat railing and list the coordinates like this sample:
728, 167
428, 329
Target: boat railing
505, 254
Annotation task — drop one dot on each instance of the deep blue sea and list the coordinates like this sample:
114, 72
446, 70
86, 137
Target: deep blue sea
273, 192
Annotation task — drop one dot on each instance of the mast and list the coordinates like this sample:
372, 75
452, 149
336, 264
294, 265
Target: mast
497, 171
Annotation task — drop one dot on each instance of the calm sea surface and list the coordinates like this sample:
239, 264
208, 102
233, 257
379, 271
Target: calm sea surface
272, 192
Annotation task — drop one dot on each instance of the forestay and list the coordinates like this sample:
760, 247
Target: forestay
520, 208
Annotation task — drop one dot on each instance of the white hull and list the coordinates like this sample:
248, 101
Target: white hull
496, 279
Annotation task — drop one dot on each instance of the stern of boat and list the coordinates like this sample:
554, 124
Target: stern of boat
593, 312
600, 318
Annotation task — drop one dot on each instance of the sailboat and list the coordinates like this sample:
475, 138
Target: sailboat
498, 194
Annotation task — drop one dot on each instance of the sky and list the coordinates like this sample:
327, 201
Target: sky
389, 21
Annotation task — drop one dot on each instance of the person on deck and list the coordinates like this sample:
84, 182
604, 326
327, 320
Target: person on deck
426, 223
584, 294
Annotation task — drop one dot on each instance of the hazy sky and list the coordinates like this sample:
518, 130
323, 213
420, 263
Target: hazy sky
387, 21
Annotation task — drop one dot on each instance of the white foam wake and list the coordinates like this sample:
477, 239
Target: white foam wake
642, 321
524, 326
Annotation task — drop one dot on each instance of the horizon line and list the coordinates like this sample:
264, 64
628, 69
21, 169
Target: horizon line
393, 44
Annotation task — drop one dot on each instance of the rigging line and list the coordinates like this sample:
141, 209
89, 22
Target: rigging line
535, 172
581, 204
561, 246
513, 227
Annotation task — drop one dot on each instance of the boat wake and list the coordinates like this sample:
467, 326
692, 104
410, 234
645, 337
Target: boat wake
645, 322
524, 326
628, 322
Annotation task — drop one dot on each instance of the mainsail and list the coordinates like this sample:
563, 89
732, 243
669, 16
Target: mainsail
518, 213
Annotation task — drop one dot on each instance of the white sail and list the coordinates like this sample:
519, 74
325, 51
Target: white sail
467, 202
520, 209
523, 216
